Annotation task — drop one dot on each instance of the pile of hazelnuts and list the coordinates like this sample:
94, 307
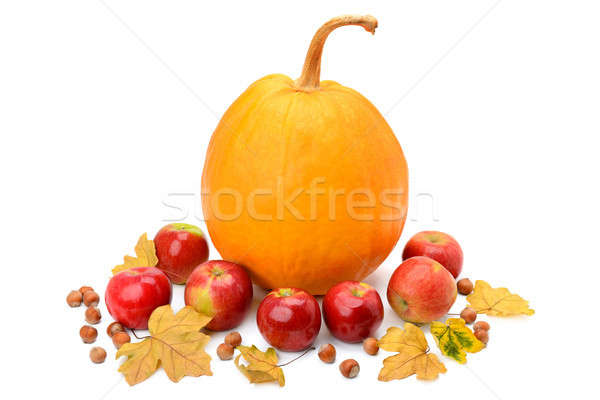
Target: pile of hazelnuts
481, 328
225, 350
88, 333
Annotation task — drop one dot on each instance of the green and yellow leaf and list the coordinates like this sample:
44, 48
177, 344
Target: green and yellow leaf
145, 256
455, 339
497, 301
176, 343
413, 356
261, 367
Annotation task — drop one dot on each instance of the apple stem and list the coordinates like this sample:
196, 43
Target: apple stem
301, 355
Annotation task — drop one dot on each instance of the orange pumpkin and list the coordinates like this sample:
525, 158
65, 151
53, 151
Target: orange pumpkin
304, 182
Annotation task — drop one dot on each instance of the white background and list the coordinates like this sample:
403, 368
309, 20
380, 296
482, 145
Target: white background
106, 108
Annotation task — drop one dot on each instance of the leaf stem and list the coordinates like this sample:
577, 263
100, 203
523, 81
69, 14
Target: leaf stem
301, 355
138, 337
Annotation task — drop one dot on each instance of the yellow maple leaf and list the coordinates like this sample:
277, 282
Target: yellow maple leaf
175, 342
497, 301
261, 367
145, 256
413, 355
141, 361
454, 339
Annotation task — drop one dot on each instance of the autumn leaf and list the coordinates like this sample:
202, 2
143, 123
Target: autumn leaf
413, 355
454, 339
497, 301
145, 256
175, 342
395, 338
141, 361
261, 367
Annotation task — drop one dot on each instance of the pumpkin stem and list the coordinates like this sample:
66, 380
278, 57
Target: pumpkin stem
311, 71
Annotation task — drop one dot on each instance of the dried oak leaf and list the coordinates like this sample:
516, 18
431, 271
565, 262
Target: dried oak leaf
454, 339
261, 367
497, 301
176, 343
145, 256
413, 355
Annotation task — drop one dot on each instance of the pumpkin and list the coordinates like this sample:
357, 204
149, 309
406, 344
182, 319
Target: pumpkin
304, 182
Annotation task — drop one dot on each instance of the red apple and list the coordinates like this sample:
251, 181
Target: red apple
289, 319
133, 294
439, 246
421, 290
180, 248
352, 311
221, 289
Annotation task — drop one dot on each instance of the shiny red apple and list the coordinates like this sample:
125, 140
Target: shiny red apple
421, 290
133, 294
180, 248
439, 246
352, 311
221, 289
289, 319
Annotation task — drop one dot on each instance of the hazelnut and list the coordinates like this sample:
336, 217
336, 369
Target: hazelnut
327, 353
113, 328
482, 335
84, 289
464, 286
120, 338
91, 298
74, 298
481, 325
88, 334
234, 339
225, 351
349, 368
97, 355
92, 315
370, 346
469, 315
